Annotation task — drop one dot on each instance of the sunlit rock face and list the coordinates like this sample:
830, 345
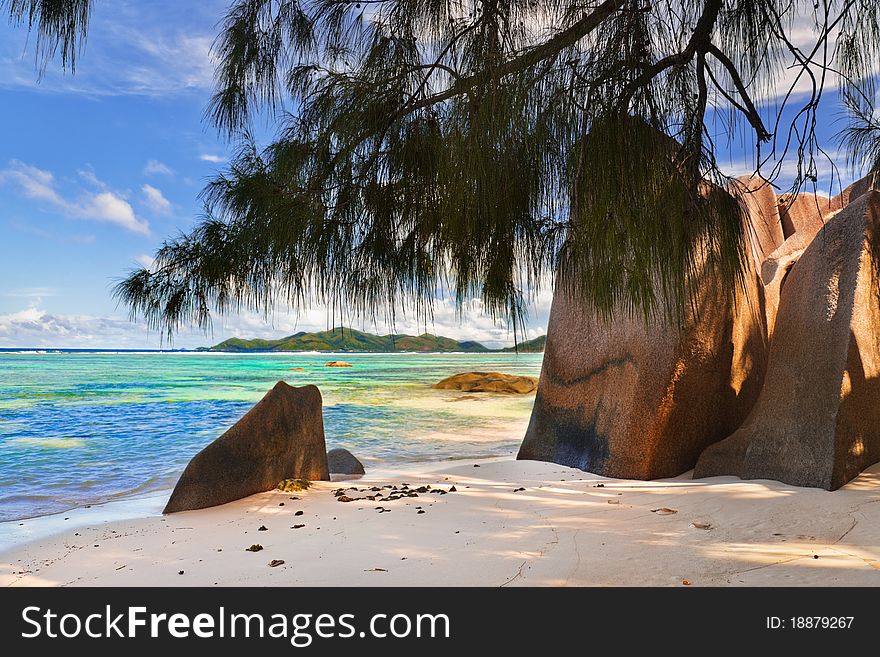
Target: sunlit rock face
636, 400
802, 217
629, 399
817, 419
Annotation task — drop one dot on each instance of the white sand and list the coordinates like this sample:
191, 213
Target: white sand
561, 530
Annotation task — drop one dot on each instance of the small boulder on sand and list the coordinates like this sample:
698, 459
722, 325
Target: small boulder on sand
489, 382
341, 461
337, 363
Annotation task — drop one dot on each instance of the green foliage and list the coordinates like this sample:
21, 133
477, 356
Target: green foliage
60, 25
861, 138
475, 149
533, 346
348, 339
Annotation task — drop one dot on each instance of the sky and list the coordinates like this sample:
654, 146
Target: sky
98, 167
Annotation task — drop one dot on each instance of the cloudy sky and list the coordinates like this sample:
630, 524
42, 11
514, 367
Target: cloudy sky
98, 167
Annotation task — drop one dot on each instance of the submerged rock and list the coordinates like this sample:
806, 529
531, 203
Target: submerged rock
281, 437
817, 420
489, 382
341, 461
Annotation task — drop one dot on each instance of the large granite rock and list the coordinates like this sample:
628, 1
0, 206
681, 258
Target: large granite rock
341, 461
817, 419
761, 206
282, 437
804, 213
856, 191
636, 400
804, 216
644, 401
489, 382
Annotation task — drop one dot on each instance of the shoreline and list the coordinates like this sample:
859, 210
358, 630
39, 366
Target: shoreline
253, 352
508, 523
140, 504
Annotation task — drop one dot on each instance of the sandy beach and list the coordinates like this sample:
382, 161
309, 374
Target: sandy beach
506, 523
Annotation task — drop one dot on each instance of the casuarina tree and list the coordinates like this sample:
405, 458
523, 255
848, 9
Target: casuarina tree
477, 147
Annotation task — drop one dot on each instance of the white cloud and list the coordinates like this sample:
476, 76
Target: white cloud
88, 174
155, 200
114, 209
208, 157
39, 328
185, 58
104, 206
31, 292
155, 49
145, 261
831, 174
471, 324
35, 183
157, 168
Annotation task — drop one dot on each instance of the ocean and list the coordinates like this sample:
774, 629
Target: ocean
80, 428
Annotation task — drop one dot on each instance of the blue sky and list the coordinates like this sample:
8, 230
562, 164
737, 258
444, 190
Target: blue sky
98, 167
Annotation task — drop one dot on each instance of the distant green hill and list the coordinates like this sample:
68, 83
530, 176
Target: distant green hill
534, 346
347, 339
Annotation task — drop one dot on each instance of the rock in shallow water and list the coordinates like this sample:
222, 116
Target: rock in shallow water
341, 461
281, 437
489, 382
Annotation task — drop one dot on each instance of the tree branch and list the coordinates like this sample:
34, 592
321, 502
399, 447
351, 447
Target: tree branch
698, 43
752, 114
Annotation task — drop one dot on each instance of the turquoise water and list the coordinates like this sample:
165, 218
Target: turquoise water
85, 428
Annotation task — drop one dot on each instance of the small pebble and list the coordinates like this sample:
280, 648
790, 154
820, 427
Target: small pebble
263, 528
298, 513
